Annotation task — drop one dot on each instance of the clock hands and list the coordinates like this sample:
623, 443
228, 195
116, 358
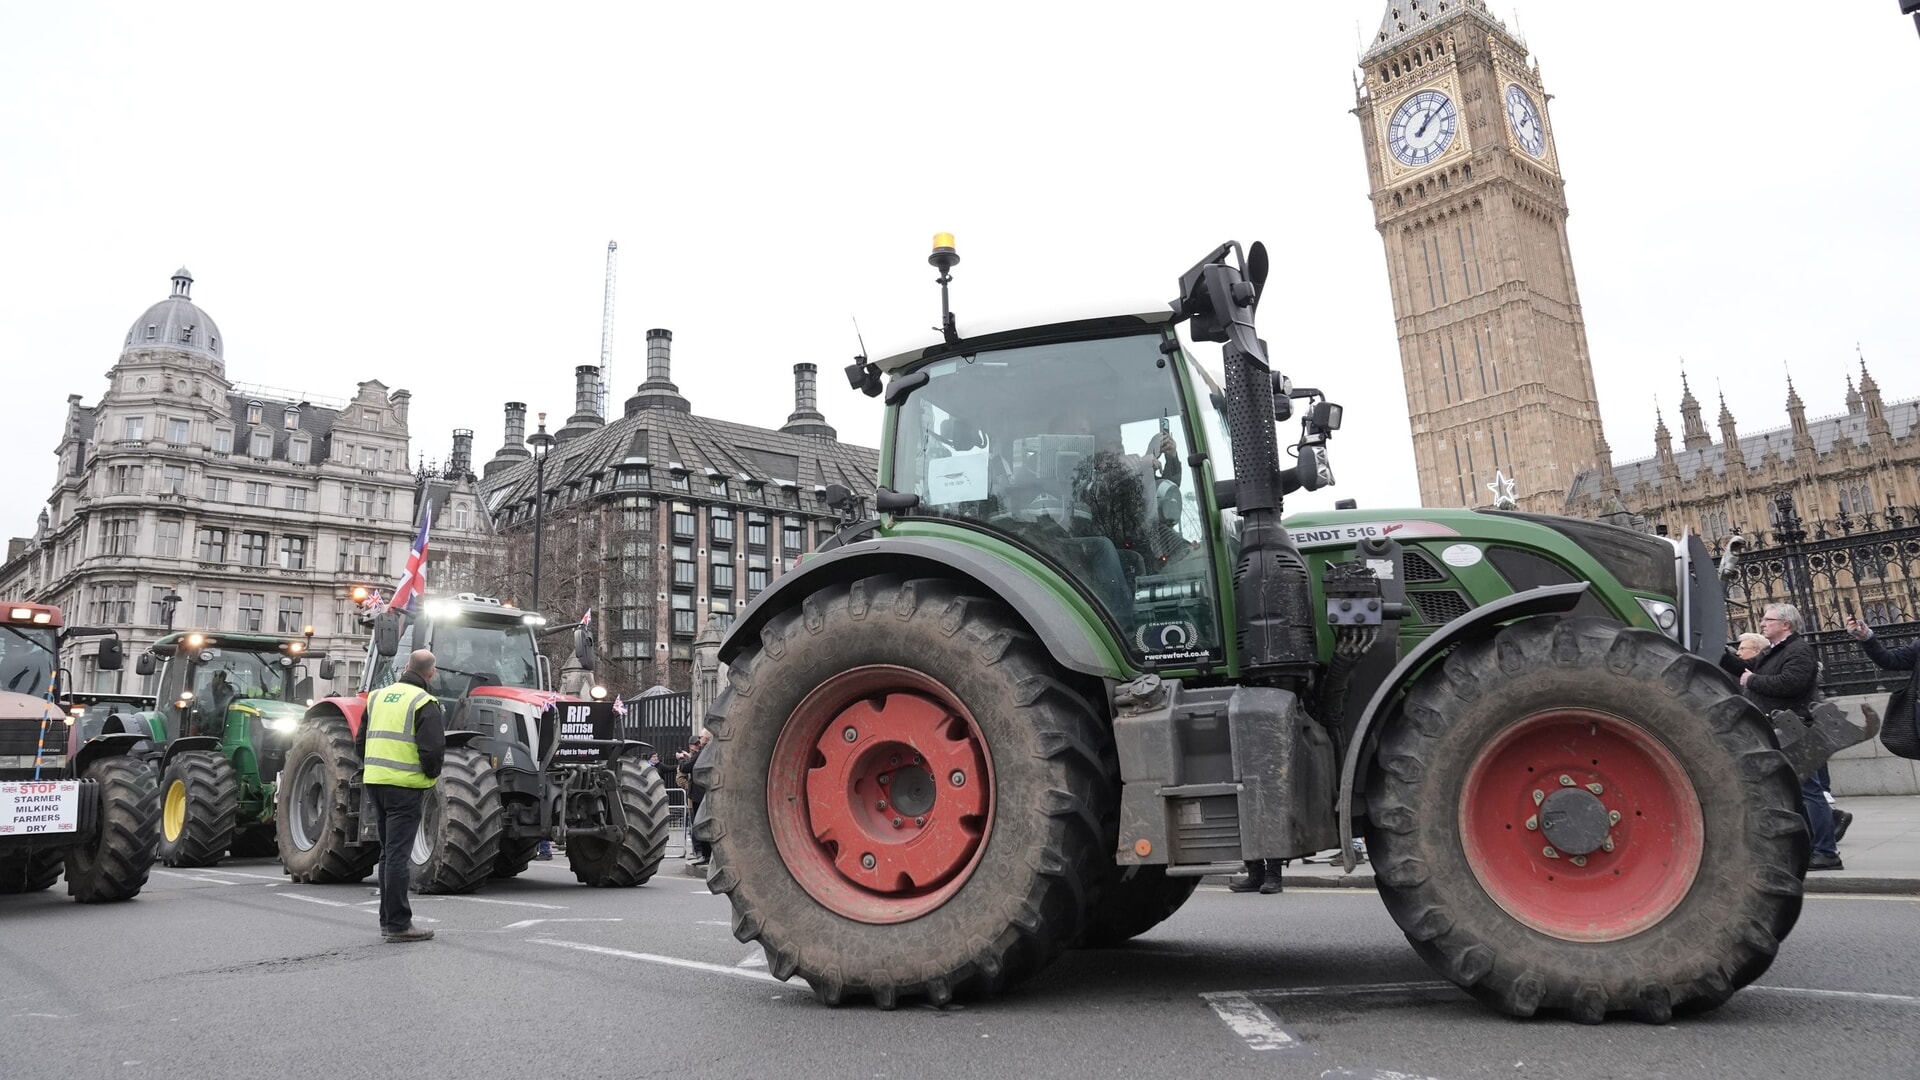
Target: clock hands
1428, 119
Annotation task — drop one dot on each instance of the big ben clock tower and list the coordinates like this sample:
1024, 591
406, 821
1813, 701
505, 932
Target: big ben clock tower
1470, 204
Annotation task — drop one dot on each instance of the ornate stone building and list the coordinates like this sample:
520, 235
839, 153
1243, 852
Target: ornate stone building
1468, 198
185, 498
1855, 472
663, 522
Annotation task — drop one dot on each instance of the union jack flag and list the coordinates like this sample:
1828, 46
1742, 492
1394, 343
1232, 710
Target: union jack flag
619, 707
413, 579
587, 619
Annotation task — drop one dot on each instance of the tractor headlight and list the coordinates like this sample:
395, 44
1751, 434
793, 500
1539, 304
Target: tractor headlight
283, 723
598, 693
1663, 615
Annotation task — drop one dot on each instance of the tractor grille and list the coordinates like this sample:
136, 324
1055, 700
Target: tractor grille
1420, 569
23, 736
1439, 606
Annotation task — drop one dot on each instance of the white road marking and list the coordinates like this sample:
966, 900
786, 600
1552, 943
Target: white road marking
1317, 991
1855, 995
524, 923
754, 960
489, 900
714, 922
1370, 1074
653, 958
361, 908
1247, 1018
242, 873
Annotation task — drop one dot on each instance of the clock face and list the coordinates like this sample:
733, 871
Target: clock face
1524, 117
1422, 127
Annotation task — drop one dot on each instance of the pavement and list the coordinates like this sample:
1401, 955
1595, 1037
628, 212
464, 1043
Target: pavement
1881, 854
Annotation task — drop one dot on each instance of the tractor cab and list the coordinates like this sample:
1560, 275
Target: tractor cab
1077, 445
477, 643
208, 680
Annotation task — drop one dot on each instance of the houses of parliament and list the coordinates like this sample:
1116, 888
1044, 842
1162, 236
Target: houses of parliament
1471, 207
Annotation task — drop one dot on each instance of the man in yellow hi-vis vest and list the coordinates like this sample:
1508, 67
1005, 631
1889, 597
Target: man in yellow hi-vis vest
404, 743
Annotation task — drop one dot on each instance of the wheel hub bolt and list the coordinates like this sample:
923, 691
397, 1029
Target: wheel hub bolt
1613, 817
884, 778
894, 760
866, 862
1565, 780
896, 823
1596, 789
881, 805
1549, 852
1539, 797
958, 778
850, 735
1533, 822
920, 821
1606, 844
1578, 860
916, 759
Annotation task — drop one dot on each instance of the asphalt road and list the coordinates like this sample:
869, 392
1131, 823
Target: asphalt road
237, 972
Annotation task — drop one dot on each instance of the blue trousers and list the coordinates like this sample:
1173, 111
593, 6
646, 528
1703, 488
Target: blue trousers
1813, 806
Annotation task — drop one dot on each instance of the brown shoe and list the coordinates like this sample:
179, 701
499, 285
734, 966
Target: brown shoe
411, 933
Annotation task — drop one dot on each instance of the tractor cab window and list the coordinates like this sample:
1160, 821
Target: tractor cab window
219, 677
472, 653
1076, 451
385, 670
26, 660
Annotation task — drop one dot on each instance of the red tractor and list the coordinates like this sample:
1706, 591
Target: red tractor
524, 763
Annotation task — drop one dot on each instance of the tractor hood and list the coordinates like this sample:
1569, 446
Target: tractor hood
538, 699
26, 707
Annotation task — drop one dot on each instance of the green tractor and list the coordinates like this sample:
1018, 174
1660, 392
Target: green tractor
228, 707
1076, 662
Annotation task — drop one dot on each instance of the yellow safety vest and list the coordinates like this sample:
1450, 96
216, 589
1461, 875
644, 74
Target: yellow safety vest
393, 758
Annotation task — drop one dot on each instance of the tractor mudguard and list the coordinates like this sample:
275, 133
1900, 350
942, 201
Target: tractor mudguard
191, 742
1547, 600
104, 746
350, 709
1060, 628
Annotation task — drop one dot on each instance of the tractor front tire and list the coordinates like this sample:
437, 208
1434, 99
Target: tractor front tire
112, 864
1578, 817
633, 858
1131, 906
199, 801
906, 798
459, 837
313, 811
514, 857
29, 872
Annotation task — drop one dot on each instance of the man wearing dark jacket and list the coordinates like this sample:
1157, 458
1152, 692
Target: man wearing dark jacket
1901, 713
1787, 676
403, 746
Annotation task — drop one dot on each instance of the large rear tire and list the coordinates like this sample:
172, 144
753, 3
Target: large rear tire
643, 837
459, 837
199, 801
312, 809
906, 797
1579, 817
29, 872
1131, 906
112, 864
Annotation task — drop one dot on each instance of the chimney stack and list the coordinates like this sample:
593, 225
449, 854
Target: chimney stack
807, 418
586, 404
658, 392
461, 464
515, 448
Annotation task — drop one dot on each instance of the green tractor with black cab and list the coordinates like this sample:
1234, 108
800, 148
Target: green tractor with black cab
1075, 661
228, 705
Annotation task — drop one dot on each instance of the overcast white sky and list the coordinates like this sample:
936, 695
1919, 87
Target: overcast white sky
422, 194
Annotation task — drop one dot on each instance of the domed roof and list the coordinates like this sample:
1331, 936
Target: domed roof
177, 322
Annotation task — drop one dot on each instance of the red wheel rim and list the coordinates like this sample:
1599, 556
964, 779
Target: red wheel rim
880, 794
1619, 804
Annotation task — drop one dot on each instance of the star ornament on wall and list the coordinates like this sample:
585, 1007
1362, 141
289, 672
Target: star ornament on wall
1502, 488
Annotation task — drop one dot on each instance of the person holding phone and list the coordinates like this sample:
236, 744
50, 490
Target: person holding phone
1787, 676
1901, 715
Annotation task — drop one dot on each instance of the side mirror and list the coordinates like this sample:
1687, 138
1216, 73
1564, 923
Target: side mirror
583, 647
144, 665
327, 670
386, 633
112, 654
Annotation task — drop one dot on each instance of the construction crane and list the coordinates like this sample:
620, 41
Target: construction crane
606, 331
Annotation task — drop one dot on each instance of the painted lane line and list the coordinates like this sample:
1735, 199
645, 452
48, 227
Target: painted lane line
652, 958
1247, 1018
1320, 991
754, 960
490, 900
193, 877
1370, 1074
714, 922
358, 908
241, 873
524, 923
1851, 995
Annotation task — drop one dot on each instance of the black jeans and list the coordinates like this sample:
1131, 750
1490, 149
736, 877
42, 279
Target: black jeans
399, 809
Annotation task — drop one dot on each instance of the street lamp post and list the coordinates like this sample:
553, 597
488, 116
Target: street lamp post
167, 604
541, 443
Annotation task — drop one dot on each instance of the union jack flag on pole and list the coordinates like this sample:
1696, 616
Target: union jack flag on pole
619, 707
413, 579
